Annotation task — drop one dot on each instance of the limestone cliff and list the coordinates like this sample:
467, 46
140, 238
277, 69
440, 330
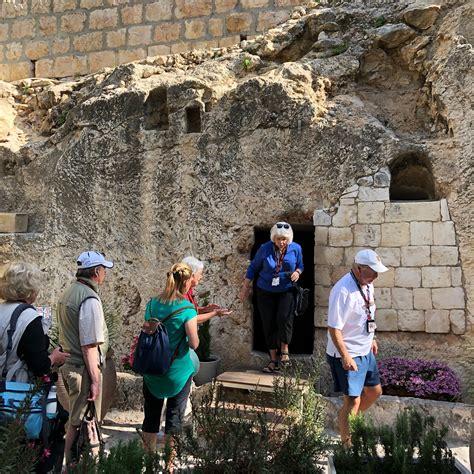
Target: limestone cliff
188, 153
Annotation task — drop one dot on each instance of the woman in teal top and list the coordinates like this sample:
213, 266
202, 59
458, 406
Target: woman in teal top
182, 332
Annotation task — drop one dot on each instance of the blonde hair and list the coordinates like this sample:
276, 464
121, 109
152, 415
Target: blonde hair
176, 280
21, 281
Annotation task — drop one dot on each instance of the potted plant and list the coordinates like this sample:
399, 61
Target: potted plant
209, 363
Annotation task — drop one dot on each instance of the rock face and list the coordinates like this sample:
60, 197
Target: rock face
190, 153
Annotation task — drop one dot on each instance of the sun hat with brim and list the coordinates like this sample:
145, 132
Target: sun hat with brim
371, 259
91, 258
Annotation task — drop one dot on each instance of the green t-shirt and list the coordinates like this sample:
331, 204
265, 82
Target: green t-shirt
170, 384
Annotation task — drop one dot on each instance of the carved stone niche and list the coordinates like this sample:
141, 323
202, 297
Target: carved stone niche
412, 179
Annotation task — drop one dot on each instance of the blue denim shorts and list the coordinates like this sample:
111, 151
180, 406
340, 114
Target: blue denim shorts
350, 382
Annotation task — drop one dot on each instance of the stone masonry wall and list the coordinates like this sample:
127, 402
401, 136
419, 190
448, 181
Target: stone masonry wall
60, 38
423, 290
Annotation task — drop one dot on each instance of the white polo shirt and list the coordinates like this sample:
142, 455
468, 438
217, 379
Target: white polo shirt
347, 313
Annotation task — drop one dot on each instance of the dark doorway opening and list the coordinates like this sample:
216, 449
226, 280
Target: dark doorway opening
303, 328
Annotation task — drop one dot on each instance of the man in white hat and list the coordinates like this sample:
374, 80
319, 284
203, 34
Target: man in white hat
83, 333
351, 346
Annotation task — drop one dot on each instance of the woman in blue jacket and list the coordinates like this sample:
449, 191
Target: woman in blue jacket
277, 265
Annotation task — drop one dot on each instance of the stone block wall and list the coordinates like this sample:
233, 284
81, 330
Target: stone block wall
60, 38
423, 289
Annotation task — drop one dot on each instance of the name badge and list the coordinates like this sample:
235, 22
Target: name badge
371, 326
275, 281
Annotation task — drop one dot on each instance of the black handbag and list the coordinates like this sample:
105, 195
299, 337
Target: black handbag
301, 299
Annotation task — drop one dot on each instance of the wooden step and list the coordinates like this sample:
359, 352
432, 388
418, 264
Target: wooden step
247, 380
251, 380
12, 222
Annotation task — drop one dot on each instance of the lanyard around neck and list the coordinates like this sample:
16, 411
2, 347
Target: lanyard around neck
279, 256
365, 298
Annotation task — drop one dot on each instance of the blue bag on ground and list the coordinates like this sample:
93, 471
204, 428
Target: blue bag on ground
17, 398
153, 354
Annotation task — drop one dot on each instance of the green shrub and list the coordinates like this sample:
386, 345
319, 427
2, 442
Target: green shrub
412, 445
286, 438
16, 456
379, 21
204, 349
339, 49
127, 458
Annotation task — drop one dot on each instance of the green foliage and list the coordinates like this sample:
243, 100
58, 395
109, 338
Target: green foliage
412, 445
339, 49
17, 456
379, 21
204, 349
288, 437
129, 458
60, 119
247, 63
113, 320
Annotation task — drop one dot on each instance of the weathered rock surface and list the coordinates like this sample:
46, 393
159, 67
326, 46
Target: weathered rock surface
190, 153
392, 36
421, 17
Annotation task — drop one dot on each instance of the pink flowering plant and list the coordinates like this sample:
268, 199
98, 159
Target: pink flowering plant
127, 360
420, 378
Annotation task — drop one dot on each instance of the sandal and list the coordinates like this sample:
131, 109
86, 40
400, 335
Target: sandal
284, 358
271, 367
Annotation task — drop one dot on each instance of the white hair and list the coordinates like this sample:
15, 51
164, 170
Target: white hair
281, 231
195, 264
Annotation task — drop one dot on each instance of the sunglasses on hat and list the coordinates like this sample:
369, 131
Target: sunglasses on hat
285, 226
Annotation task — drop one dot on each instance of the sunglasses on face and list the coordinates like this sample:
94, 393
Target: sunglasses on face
284, 226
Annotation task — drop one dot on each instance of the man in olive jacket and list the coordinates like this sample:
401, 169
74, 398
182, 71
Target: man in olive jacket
83, 333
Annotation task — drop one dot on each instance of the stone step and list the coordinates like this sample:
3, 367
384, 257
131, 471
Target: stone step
12, 222
242, 410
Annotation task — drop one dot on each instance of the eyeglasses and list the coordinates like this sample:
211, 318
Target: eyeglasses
284, 226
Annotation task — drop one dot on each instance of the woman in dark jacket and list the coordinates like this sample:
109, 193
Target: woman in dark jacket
29, 357
277, 265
